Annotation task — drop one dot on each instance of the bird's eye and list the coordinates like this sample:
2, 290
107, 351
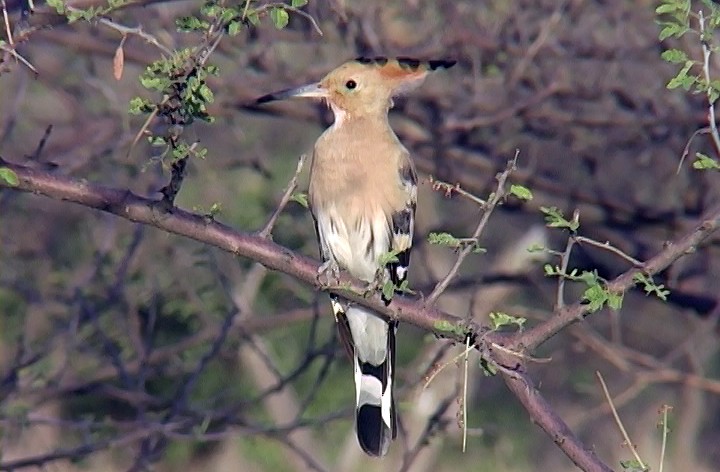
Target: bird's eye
350, 84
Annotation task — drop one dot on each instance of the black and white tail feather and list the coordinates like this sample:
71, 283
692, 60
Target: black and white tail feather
369, 339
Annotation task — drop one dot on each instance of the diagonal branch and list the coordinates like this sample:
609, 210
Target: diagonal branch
139, 209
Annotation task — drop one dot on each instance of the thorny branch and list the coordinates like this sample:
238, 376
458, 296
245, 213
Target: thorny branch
135, 208
488, 209
292, 185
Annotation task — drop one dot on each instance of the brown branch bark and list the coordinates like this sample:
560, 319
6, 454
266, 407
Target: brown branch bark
139, 209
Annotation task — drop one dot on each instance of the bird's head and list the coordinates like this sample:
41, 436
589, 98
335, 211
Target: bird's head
364, 86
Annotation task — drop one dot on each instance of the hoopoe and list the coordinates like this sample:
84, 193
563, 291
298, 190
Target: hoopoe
363, 191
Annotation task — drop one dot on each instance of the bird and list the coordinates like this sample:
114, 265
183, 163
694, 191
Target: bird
362, 195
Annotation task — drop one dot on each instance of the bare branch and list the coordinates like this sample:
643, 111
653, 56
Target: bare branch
146, 211
625, 435
706, 71
488, 209
292, 185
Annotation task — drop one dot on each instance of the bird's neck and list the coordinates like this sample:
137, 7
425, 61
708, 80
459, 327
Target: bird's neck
344, 118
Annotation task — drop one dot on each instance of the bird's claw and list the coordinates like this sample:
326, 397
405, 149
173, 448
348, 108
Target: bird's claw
371, 288
331, 271
377, 284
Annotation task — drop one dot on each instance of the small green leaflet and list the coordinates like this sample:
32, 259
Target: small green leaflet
388, 290
300, 198
705, 162
650, 287
555, 219
523, 193
675, 56
448, 327
499, 319
9, 176
388, 257
279, 17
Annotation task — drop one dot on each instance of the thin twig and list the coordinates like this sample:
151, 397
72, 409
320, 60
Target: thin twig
686, 149
706, 71
564, 261
145, 126
306, 16
520, 355
18, 57
449, 189
435, 372
292, 185
245, 10
608, 247
464, 395
626, 437
7, 25
545, 33
435, 423
665, 430
137, 31
489, 207
41, 145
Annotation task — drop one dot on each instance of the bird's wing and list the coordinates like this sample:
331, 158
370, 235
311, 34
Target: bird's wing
402, 224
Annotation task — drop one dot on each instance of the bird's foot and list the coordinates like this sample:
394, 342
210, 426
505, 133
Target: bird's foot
376, 284
330, 271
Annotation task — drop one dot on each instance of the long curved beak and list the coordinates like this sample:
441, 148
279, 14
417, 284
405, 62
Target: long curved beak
310, 91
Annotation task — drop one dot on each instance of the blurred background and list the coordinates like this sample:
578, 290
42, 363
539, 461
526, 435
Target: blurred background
125, 348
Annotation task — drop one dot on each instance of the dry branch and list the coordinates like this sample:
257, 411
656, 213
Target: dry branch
143, 210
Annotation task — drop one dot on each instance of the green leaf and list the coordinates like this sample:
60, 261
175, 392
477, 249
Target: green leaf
388, 257
300, 198
140, 105
682, 79
191, 23
58, 5
674, 56
298, 3
596, 297
234, 28
279, 17
650, 287
499, 319
615, 300
705, 162
443, 239
9, 176
206, 93
523, 193
666, 8
589, 278
632, 466
405, 287
672, 30
555, 219
388, 290
448, 327
253, 18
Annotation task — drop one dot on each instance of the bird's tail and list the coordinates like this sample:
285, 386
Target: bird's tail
370, 341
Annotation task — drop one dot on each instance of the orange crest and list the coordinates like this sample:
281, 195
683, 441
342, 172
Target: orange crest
403, 72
